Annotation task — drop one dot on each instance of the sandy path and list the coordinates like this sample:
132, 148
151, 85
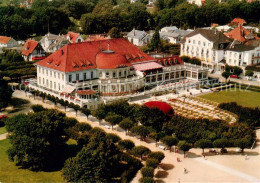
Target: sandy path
199, 169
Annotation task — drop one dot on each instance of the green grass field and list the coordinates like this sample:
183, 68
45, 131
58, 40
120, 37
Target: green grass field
245, 98
2, 130
11, 173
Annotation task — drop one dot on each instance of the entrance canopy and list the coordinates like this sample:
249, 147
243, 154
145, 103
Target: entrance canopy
85, 92
68, 89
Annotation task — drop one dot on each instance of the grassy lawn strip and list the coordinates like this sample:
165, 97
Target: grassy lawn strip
11, 173
245, 98
2, 130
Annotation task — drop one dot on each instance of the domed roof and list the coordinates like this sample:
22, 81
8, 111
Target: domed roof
110, 60
163, 106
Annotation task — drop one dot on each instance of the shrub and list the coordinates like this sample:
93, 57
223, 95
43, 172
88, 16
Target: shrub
37, 108
146, 180
147, 171
150, 162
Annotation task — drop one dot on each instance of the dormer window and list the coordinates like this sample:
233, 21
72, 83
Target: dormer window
142, 57
84, 65
76, 66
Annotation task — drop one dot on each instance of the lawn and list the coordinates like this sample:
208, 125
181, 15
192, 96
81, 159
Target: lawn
11, 173
245, 98
2, 130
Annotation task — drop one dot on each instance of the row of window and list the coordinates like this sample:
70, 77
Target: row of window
84, 76
198, 42
50, 84
51, 73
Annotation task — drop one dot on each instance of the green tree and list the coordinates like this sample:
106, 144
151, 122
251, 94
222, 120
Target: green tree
37, 108
38, 140
5, 93
99, 113
243, 143
249, 73
184, 146
126, 144
94, 163
147, 171
140, 151
203, 143
221, 143
225, 74
237, 70
156, 41
141, 130
85, 111
126, 124
115, 32
157, 155
113, 119
170, 141
146, 179
113, 137
151, 162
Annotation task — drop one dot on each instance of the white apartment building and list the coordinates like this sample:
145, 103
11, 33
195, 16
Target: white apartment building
207, 45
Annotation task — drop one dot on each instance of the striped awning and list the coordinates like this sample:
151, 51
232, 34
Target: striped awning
147, 66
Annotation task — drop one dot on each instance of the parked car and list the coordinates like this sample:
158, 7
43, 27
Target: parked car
233, 76
3, 116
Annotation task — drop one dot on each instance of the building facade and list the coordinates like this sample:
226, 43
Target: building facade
7, 42
85, 73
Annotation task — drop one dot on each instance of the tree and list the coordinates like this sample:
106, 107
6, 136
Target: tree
115, 32
99, 113
156, 41
38, 140
113, 119
113, 137
221, 143
225, 74
141, 130
126, 124
203, 143
146, 179
126, 144
140, 151
5, 93
151, 162
243, 143
157, 155
85, 111
94, 163
37, 108
184, 146
64, 103
249, 73
147, 171
237, 70
170, 141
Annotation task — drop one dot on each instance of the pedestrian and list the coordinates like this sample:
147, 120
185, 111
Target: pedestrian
204, 155
185, 170
245, 156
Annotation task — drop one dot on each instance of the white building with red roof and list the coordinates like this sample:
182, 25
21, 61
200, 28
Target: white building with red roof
7, 42
86, 72
74, 37
32, 51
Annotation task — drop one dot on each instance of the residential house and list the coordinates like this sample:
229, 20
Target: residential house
32, 51
51, 42
74, 37
139, 38
168, 29
237, 22
174, 37
7, 42
207, 45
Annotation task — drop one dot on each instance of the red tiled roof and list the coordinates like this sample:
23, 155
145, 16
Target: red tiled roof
239, 34
96, 38
73, 36
89, 55
85, 92
163, 106
28, 47
4, 39
239, 21
168, 61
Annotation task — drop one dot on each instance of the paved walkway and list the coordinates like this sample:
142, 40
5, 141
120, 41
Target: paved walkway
171, 170
3, 136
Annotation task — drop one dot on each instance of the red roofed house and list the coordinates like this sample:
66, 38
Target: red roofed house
238, 21
32, 50
74, 37
241, 34
163, 106
7, 42
86, 72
